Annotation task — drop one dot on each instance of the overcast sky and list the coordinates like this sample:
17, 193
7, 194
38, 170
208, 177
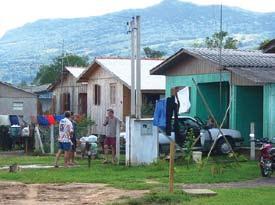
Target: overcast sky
14, 13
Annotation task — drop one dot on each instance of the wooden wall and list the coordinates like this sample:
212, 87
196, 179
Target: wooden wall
69, 85
191, 65
98, 112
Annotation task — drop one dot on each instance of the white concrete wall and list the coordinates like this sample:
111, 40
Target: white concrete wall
141, 142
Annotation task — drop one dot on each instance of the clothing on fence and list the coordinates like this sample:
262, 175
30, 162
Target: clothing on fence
14, 120
4, 120
50, 119
42, 120
58, 118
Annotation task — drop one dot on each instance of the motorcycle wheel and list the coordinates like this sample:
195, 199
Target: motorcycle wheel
265, 171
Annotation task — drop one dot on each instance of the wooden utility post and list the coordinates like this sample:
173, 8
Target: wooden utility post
171, 166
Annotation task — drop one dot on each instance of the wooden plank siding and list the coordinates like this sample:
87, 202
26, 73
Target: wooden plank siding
192, 66
70, 86
98, 112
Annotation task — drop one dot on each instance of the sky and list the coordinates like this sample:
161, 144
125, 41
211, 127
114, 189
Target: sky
15, 13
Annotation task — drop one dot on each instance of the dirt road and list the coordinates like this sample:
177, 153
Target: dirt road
13, 193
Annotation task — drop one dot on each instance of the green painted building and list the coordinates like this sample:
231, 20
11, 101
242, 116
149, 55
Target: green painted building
245, 80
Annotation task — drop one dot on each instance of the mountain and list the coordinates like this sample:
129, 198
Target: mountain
167, 26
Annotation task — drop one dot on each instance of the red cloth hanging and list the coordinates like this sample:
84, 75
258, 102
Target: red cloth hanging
50, 119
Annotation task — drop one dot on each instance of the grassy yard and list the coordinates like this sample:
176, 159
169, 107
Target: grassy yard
124, 177
153, 177
251, 196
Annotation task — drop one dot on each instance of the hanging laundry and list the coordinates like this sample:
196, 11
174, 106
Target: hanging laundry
184, 100
160, 114
42, 120
58, 118
14, 120
51, 119
4, 120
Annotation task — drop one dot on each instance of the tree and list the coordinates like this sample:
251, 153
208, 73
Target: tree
216, 38
50, 73
151, 53
263, 44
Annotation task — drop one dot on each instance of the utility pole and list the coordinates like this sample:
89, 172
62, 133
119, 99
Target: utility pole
133, 84
135, 68
138, 74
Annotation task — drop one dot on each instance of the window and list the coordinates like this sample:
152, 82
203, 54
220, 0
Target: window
97, 94
65, 102
113, 93
17, 105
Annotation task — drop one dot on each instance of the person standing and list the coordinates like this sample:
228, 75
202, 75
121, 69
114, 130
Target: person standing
110, 141
64, 140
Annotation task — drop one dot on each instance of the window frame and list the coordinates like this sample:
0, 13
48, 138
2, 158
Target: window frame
18, 107
113, 93
97, 94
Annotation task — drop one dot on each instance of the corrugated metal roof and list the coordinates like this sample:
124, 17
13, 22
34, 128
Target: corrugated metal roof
121, 67
37, 88
235, 58
253, 65
20, 89
75, 71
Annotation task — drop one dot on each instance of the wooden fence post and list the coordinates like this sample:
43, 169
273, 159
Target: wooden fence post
52, 139
118, 142
171, 166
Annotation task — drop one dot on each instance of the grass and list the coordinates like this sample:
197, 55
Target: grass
252, 196
122, 176
153, 177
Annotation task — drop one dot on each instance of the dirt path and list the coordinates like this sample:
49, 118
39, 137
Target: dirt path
260, 182
13, 193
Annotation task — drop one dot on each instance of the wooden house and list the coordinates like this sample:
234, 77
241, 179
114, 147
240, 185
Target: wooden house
109, 84
69, 94
245, 80
16, 101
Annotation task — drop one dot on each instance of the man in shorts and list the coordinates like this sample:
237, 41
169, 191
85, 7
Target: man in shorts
64, 140
110, 140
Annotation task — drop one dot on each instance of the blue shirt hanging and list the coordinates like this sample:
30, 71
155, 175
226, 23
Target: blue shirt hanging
160, 114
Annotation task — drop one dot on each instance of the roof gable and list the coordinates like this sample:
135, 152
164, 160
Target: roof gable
17, 89
256, 64
120, 68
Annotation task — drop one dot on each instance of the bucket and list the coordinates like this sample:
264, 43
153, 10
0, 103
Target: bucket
197, 156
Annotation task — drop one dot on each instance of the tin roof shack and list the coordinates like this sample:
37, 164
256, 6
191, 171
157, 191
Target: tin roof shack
109, 86
248, 77
68, 94
16, 101
44, 97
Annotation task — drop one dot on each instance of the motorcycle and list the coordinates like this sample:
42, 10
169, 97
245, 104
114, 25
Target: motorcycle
267, 157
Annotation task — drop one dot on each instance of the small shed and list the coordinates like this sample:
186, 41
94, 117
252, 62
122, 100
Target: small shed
69, 94
16, 101
109, 86
248, 77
